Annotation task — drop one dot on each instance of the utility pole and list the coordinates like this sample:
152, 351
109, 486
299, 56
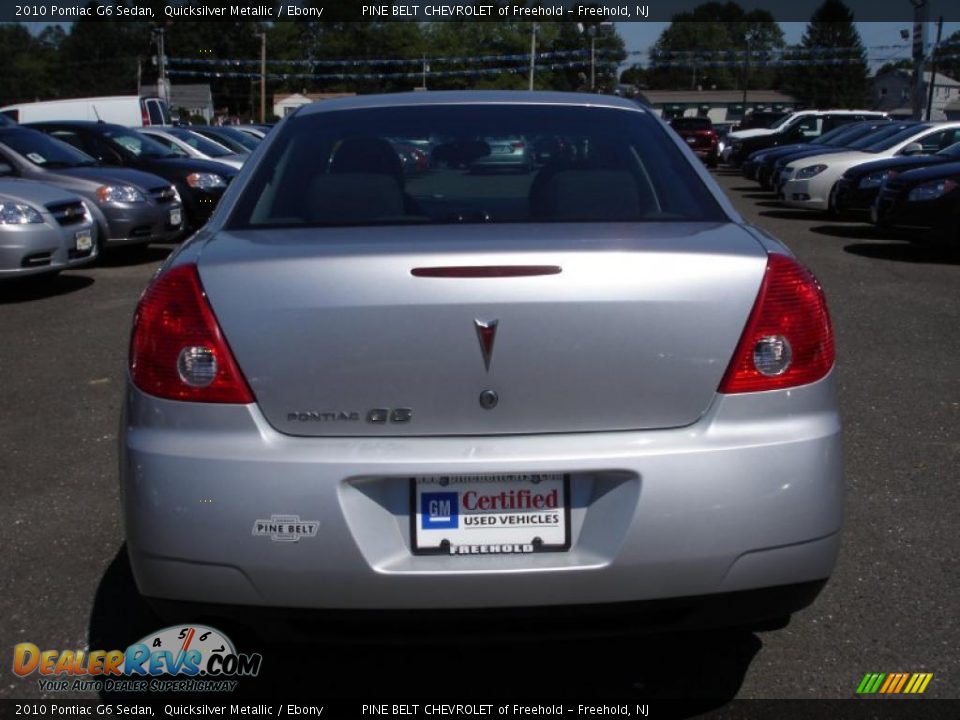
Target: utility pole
533, 50
919, 43
933, 69
263, 75
426, 69
593, 59
746, 76
162, 65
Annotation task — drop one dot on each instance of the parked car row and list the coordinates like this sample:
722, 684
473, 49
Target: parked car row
152, 183
895, 174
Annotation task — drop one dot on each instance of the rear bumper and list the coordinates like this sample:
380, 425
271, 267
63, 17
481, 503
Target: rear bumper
745, 608
749, 497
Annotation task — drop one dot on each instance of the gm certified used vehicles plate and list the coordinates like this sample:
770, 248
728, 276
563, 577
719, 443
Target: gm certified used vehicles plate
592, 384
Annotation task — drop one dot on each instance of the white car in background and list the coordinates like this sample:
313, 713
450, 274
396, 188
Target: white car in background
183, 140
811, 180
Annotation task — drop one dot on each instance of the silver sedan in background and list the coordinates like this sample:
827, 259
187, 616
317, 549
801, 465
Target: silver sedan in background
43, 229
589, 386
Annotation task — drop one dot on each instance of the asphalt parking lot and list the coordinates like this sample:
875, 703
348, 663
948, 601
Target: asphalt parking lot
891, 606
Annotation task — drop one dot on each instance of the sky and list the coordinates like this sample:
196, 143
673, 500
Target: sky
876, 37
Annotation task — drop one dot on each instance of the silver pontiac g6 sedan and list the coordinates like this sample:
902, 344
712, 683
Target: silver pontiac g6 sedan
591, 386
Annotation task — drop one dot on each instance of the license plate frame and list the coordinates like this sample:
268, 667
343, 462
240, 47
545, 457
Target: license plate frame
491, 530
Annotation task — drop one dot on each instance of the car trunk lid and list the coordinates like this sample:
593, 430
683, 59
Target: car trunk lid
572, 327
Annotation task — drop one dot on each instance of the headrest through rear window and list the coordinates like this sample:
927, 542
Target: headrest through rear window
587, 195
353, 199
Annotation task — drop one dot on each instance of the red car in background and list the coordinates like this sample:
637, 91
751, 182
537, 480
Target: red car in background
700, 136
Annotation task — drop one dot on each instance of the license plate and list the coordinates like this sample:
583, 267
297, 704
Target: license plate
490, 514
692, 141
874, 214
175, 216
84, 240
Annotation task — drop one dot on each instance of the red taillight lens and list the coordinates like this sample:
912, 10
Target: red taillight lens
177, 350
517, 146
144, 113
788, 340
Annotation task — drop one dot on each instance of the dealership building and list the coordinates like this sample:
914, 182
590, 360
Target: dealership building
718, 105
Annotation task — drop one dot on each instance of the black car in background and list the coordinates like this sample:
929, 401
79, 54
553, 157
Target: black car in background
927, 199
857, 190
760, 119
801, 129
201, 183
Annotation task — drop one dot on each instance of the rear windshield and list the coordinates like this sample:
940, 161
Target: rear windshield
692, 124
157, 110
453, 164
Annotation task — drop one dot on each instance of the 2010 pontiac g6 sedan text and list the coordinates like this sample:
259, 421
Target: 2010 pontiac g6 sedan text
588, 385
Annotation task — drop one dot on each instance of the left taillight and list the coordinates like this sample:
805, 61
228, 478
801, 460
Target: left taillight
177, 350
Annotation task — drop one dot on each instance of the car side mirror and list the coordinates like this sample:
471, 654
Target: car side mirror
6, 169
912, 149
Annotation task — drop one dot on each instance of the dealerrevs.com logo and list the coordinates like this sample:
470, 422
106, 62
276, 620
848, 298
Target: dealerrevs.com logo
192, 658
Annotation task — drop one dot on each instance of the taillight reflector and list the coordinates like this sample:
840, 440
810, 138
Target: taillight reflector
177, 350
788, 340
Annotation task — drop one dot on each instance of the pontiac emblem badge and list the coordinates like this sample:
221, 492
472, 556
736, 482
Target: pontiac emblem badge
486, 334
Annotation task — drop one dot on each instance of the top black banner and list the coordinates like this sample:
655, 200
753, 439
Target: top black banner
64, 11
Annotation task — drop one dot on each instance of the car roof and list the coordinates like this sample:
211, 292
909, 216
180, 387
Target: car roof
470, 97
76, 123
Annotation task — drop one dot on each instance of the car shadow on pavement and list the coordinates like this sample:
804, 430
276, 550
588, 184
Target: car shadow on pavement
28, 289
134, 255
786, 214
704, 669
859, 231
930, 253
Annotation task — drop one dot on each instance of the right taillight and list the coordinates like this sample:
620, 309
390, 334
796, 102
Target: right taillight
177, 350
788, 340
144, 113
